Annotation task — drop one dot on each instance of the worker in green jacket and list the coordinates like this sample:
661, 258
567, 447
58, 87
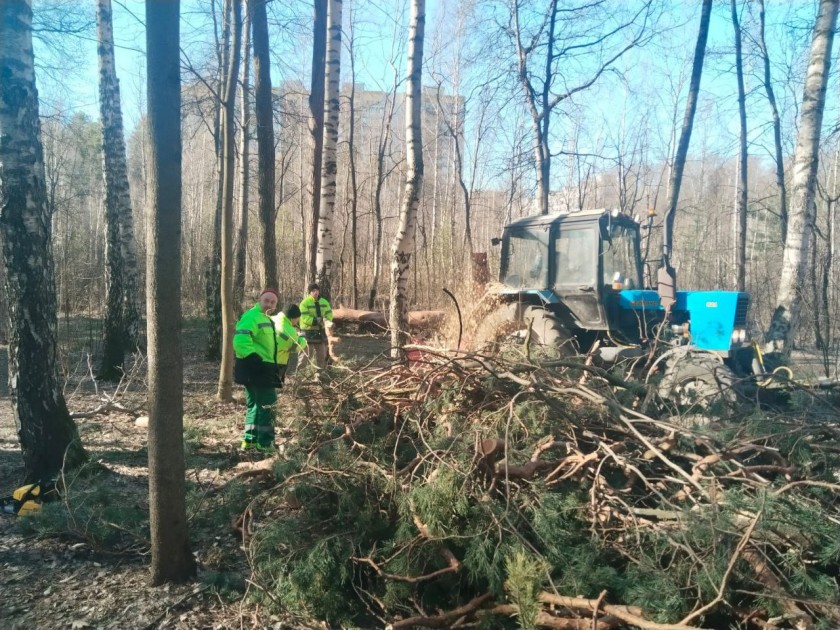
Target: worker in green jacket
259, 366
314, 312
289, 340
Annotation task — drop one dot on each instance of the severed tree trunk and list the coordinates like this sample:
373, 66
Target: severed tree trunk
329, 169
172, 560
741, 233
777, 126
688, 123
403, 246
265, 142
244, 166
48, 436
785, 321
122, 316
316, 129
225, 389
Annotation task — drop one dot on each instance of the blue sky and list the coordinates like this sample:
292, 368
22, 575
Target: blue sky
646, 90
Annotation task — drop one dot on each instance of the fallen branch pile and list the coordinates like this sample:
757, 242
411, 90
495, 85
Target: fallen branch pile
457, 492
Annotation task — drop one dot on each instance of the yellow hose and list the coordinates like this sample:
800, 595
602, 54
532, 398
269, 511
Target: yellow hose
778, 370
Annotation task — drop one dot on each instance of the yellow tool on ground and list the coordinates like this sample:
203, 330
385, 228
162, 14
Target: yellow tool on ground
28, 499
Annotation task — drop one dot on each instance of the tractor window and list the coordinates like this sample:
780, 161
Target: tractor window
619, 256
577, 257
527, 259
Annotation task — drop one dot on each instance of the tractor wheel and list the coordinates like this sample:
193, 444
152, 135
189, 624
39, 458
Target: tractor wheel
698, 381
505, 329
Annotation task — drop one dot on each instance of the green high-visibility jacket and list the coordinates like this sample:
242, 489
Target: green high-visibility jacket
308, 312
288, 339
255, 333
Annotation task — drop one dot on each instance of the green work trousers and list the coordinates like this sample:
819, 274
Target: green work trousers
259, 419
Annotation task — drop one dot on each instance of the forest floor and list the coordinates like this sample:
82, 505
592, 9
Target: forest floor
70, 581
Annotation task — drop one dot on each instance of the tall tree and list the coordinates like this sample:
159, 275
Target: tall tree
244, 164
265, 141
681, 152
382, 149
403, 246
122, 316
351, 151
48, 436
547, 54
785, 320
777, 125
214, 269
316, 129
741, 232
172, 560
329, 169
225, 390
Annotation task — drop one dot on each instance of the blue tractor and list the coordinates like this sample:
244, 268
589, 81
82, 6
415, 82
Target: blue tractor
574, 283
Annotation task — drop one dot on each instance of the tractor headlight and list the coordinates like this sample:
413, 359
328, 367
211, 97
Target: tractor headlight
739, 335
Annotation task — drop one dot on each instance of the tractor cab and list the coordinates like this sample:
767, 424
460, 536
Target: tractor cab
575, 265
584, 270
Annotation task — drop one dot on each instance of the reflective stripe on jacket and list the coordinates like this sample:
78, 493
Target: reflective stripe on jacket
288, 339
308, 312
255, 332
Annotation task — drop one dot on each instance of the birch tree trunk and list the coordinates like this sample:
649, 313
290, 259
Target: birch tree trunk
403, 246
681, 153
316, 130
785, 320
741, 222
172, 560
122, 316
265, 142
225, 389
48, 436
329, 169
244, 166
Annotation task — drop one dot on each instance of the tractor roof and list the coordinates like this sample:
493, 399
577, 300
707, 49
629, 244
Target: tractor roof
549, 219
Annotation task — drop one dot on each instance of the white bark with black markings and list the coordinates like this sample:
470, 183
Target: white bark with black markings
802, 212
329, 167
122, 318
48, 436
404, 241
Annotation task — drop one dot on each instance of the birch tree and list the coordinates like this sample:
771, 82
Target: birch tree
785, 320
225, 389
172, 560
681, 153
48, 436
265, 141
122, 317
403, 246
329, 169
